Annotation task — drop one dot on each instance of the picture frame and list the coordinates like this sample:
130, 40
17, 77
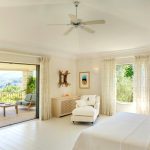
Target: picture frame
84, 80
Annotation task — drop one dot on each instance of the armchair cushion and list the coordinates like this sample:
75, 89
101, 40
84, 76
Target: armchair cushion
25, 103
33, 98
28, 97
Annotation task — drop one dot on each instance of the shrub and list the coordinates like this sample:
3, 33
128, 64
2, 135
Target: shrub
124, 75
31, 85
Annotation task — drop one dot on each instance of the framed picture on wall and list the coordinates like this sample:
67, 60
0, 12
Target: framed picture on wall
84, 80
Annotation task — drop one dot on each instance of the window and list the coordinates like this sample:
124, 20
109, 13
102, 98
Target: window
124, 83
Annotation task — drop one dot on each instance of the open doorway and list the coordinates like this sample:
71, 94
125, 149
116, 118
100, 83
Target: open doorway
19, 93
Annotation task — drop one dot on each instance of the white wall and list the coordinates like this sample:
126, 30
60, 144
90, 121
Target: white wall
56, 64
93, 66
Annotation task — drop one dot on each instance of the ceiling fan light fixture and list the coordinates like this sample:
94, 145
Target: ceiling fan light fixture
76, 3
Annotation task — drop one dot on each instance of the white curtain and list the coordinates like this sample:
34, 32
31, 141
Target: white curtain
108, 92
142, 84
44, 89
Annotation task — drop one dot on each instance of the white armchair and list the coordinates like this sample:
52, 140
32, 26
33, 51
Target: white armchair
87, 109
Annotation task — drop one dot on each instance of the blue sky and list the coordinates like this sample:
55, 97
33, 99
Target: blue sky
11, 74
13, 77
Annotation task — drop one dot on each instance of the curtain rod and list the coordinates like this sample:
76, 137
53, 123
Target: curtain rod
20, 54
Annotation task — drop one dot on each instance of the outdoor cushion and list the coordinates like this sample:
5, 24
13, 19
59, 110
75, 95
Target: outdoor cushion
28, 97
25, 103
33, 98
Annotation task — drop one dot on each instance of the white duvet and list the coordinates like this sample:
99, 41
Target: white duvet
124, 131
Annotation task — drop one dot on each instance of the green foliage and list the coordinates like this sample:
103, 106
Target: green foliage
10, 93
11, 88
124, 75
31, 85
129, 71
10, 97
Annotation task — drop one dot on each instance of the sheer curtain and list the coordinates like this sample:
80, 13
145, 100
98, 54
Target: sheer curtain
44, 88
108, 93
142, 84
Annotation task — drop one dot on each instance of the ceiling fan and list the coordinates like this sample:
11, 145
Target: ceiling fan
75, 22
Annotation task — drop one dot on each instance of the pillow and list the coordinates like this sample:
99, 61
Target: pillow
81, 103
84, 97
90, 99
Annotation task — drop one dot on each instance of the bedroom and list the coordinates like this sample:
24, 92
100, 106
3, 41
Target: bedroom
28, 38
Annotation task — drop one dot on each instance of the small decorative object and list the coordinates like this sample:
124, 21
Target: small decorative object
66, 95
63, 78
84, 80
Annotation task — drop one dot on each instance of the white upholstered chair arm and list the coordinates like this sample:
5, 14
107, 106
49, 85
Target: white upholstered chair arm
97, 104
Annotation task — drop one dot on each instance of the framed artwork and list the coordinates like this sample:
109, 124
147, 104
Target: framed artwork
84, 80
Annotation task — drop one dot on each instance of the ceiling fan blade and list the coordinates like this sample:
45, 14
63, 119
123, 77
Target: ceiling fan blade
59, 24
87, 29
92, 22
68, 31
72, 17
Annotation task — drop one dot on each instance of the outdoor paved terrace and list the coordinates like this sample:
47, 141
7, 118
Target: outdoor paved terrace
11, 116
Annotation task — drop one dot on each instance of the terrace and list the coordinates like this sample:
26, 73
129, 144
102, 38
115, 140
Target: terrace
11, 94
11, 116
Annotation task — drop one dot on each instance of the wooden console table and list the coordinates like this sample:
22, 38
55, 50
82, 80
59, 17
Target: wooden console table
62, 106
4, 106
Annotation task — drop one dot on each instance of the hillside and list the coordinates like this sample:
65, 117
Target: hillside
11, 78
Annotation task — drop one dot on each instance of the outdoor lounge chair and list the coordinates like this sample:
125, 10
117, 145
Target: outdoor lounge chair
29, 101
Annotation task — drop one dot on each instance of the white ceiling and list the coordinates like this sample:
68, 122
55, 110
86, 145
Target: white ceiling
23, 26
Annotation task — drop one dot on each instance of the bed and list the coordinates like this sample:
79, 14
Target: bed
124, 131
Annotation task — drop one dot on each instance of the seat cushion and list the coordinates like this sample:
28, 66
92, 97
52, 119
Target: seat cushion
84, 111
25, 103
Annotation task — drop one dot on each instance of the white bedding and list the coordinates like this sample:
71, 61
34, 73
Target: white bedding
124, 131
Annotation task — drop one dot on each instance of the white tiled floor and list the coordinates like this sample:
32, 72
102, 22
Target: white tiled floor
54, 134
